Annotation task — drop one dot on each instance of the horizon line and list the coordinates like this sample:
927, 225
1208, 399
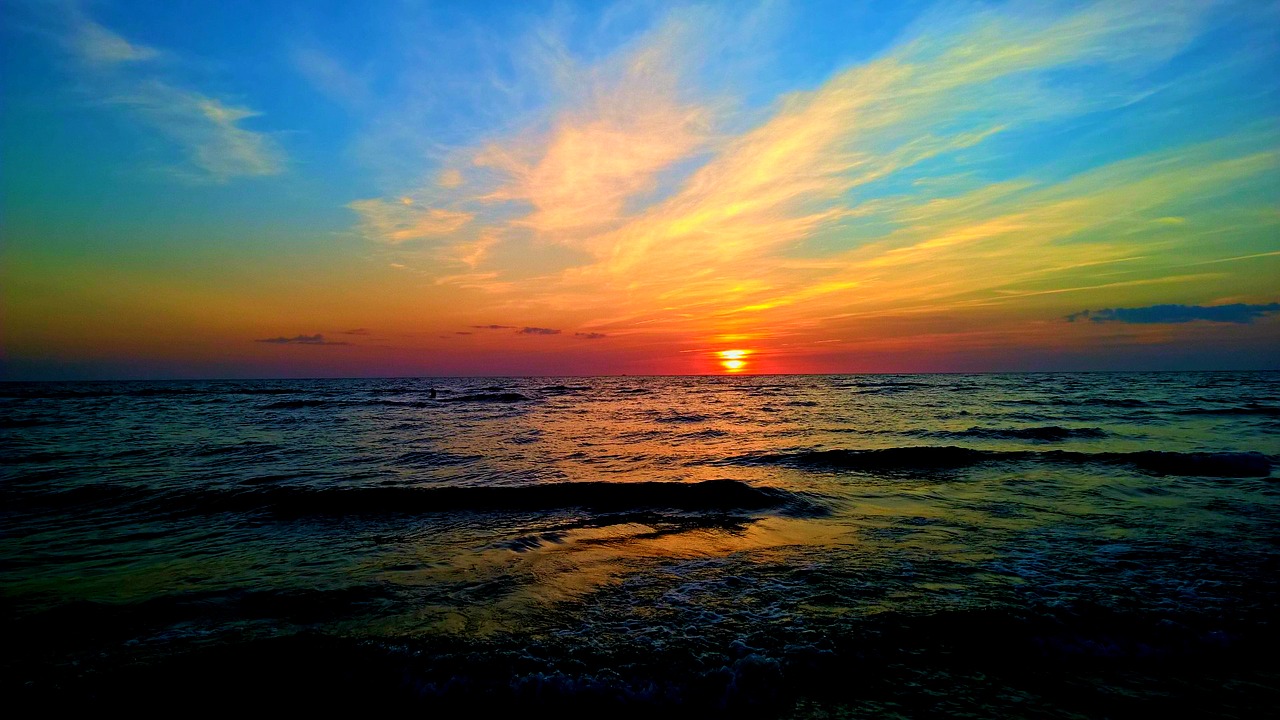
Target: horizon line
637, 375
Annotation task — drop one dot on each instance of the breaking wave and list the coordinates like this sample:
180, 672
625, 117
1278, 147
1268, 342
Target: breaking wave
706, 496
1046, 433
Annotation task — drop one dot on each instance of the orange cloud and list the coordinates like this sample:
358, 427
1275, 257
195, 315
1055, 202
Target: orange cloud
401, 221
781, 233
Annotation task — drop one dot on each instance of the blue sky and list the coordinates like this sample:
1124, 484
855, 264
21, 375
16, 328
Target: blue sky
831, 186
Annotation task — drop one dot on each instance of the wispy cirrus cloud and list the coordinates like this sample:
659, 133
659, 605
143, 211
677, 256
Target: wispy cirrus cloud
611, 131
331, 78
208, 131
402, 220
578, 175
96, 44
135, 77
883, 191
1239, 313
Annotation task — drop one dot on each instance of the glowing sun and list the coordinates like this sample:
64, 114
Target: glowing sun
733, 360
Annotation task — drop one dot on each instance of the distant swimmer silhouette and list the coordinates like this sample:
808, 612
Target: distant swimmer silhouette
433, 393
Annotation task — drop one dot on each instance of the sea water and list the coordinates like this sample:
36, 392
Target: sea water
1021, 544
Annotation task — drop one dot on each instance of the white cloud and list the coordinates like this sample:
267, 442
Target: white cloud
96, 44
209, 131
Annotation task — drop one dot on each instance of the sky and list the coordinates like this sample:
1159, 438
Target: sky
336, 189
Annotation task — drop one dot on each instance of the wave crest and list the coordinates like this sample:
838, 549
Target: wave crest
1206, 464
704, 496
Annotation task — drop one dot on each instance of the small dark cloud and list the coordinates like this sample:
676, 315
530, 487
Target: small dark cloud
590, 335
316, 339
1239, 313
519, 330
357, 331
463, 332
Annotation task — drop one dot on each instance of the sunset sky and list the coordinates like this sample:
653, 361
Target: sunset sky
298, 189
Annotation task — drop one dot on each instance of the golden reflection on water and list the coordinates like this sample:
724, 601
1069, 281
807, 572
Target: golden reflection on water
583, 560
564, 566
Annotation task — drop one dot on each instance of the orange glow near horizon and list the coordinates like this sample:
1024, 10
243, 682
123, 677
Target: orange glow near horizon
733, 360
992, 188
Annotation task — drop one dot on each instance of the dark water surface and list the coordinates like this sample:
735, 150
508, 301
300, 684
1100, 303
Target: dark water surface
1048, 545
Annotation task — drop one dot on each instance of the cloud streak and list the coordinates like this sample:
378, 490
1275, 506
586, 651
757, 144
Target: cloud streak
905, 196
208, 130
401, 221
316, 339
331, 78
1238, 313
96, 44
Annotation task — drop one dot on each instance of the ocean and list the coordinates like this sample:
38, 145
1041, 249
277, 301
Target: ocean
993, 545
